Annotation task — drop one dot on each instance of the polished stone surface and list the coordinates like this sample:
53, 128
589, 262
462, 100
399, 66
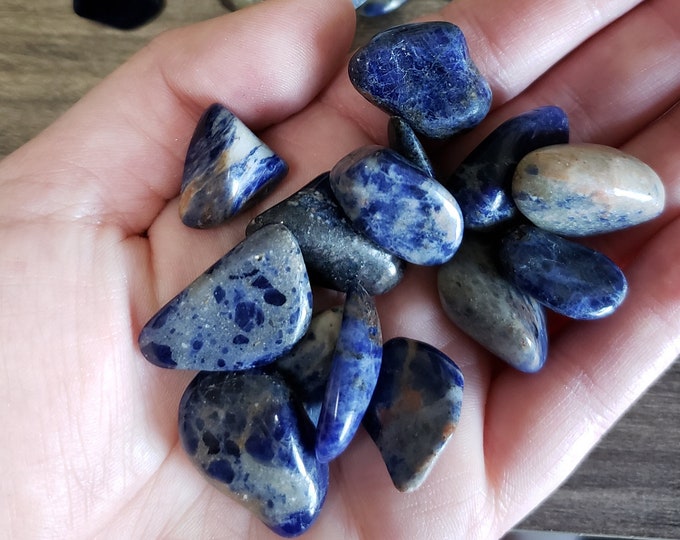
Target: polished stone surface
405, 141
567, 277
248, 435
307, 366
121, 14
353, 375
482, 184
485, 305
423, 72
247, 309
226, 167
375, 8
583, 189
414, 410
335, 254
397, 205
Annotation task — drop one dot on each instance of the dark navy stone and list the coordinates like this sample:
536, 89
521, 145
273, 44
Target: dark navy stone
122, 14
482, 184
250, 307
397, 205
353, 375
336, 255
414, 410
375, 8
486, 306
569, 278
423, 72
405, 141
226, 167
307, 365
247, 433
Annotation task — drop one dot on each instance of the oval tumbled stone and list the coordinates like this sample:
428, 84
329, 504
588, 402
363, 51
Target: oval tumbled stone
246, 432
397, 205
247, 309
423, 72
569, 278
583, 189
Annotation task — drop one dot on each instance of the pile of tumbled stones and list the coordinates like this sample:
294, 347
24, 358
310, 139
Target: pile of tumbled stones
280, 392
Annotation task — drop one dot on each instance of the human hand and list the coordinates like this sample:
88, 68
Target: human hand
93, 246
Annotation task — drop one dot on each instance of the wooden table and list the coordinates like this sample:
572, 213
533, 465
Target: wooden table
629, 485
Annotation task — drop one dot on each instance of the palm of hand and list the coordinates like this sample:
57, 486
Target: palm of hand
92, 249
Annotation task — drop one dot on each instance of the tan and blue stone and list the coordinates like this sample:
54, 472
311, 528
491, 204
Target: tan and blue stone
226, 167
250, 307
397, 205
335, 253
567, 277
353, 375
415, 409
247, 433
423, 73
405, 141
584, 189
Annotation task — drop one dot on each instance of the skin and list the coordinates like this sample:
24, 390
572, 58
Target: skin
93, 246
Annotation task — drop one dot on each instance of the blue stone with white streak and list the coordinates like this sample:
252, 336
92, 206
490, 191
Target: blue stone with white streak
405, 141
247, 433
398, 206
482, 184
226, 167
375, 8
567, 277
415, 409
246, 310
423, 72
353, 375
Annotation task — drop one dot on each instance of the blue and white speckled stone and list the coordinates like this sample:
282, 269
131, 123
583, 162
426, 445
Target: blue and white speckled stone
397, 205
482, 184
226, 166
584, 189
336, 255
567, 277
307, 365
404, 141
490, 309
375, 8
249, 436
414, 410
250, 307
353, 375
423, 72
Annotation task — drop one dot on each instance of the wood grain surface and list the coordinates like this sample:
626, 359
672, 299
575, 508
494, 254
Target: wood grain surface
49, 57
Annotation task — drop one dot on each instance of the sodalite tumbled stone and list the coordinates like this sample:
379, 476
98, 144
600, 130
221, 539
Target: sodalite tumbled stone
567, 277
335, 254
226, 166
414, 410
353, 375
375, 8
405, 141
583, 189
247, 433
397, 205
247, 309
482, 184
490, 309
423, 72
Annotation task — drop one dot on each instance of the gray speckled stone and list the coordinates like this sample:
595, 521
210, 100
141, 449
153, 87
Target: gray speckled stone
490, 309
247, 309
584, 189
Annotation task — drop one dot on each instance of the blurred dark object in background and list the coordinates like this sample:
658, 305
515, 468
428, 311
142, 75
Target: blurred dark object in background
122, 14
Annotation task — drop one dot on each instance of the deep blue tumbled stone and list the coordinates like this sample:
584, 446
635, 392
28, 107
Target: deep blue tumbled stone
226, 167
247, 309
246, 432
482, 184
485, 305
414, 410
397, 205
404, 140
423, 72
567, 277
375, 8
335, 254
122, 14
353, 375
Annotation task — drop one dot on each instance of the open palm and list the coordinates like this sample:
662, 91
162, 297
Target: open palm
92, 246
